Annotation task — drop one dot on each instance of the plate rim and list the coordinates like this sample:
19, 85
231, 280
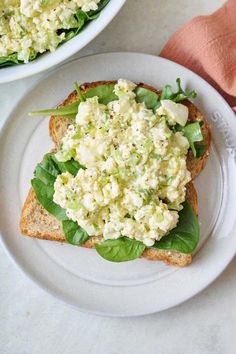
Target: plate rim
23, 269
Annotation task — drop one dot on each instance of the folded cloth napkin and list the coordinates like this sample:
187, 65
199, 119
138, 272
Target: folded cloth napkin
207, 46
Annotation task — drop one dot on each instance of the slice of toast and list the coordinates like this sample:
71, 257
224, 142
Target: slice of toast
37, 222
58, 125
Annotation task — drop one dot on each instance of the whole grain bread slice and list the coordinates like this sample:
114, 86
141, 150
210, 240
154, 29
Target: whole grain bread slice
59, 124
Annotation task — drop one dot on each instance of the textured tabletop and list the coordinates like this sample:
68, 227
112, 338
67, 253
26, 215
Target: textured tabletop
33, 322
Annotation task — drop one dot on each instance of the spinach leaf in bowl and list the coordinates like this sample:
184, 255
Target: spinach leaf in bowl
101, 5
9, 60
12, 59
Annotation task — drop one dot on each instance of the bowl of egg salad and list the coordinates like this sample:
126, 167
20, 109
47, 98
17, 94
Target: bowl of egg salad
38, 34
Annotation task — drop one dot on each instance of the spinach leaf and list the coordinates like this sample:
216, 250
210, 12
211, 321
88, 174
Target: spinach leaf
82, 18
71, 166
105, 95
101, 5
44, 194
42, 174
68, 110
200, 150
74, 234
9, 60
12, 59
120, 250
151, 99
179, 95
45, 175
185, 236
47, 170
79, 93
193, 133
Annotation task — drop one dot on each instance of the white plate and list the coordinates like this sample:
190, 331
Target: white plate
79, 276
65, 50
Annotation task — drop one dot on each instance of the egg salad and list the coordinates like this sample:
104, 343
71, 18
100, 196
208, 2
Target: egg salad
134, 174
29, 27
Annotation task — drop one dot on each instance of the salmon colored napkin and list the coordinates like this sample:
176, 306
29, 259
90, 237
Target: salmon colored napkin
207, 46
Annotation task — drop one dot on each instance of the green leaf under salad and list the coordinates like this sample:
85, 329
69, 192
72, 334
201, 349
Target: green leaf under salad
44, 194
71, 166
79, 93
200, 150
120, 250
150, 98
193, 133
45, 175
68, 110
179, 95
106, 94
74, 234
185, 236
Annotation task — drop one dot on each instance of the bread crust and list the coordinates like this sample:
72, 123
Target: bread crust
33, 217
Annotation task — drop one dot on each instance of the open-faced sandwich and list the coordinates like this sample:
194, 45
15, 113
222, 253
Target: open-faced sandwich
120, 176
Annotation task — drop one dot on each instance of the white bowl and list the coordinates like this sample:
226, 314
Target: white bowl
67, 49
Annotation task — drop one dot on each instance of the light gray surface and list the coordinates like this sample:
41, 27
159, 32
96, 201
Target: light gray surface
31, 321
